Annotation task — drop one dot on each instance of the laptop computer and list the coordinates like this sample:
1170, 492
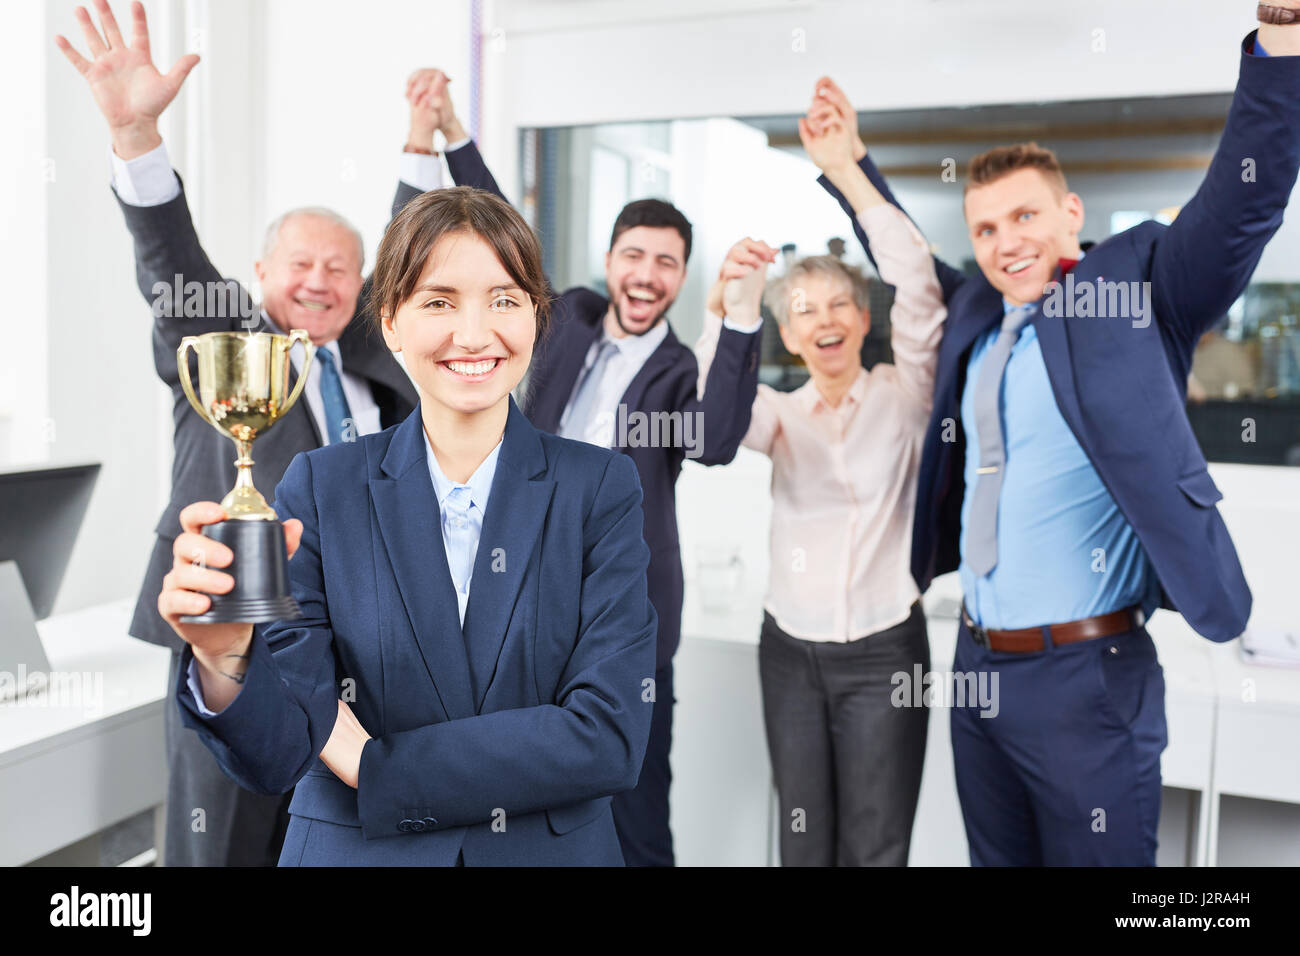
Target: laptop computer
24, 668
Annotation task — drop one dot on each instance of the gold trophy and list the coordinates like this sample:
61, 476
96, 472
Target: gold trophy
244, 387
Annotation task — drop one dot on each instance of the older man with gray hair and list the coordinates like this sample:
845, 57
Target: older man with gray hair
310, 278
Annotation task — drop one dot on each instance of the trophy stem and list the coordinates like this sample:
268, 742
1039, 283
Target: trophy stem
245, 503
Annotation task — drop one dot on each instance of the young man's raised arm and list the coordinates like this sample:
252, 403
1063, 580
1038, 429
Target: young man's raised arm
1207, 256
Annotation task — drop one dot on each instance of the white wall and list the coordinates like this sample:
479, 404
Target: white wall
24, 171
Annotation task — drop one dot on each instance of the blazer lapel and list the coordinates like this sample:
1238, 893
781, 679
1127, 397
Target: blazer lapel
1054, 343
660, 360
570, 364
517, 507
367, 358
984, 312
559, 355
411, 526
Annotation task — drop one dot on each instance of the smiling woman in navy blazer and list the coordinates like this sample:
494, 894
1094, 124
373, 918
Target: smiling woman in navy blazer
470, 679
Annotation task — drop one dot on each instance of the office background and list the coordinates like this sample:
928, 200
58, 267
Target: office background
577, 103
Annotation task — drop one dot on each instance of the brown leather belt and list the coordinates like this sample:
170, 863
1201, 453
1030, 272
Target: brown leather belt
1026, 640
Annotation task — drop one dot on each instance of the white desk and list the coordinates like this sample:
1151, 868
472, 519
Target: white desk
1257, 735
88, 752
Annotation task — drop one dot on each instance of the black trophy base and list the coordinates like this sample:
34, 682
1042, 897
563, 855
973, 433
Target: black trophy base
261, 572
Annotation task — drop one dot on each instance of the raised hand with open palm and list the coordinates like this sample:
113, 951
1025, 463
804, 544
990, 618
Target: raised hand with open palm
127, 87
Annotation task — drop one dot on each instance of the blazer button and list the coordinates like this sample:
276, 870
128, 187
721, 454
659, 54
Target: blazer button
430, 822
417, 826
404, 826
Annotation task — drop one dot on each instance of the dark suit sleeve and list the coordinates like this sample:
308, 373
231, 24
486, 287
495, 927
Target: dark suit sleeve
724, 410
1205, 259
468, 169
589, 743
186, 293
949, 278
272, 732
405, 193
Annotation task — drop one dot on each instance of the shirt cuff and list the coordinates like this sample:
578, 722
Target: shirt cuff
1259, 49
421, 171
147, 180
728, 324
452, 147
192, 679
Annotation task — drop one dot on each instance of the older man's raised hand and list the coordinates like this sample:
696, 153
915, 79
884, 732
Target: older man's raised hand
127, 87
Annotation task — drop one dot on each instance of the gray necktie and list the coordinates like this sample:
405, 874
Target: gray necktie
982, 535
584, 396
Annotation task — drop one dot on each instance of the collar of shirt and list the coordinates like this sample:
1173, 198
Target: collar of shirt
810, 398
1008, 308
637, 348
479, 484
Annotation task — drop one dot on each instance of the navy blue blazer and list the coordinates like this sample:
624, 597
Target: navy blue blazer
1121, 389
666, 382
503, 742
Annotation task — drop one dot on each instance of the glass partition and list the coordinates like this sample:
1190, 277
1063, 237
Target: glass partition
1131, 160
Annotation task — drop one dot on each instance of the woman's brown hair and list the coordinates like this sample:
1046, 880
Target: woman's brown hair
415, 230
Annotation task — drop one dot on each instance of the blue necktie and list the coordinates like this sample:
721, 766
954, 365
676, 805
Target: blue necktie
584, 396
982, 535
337, 413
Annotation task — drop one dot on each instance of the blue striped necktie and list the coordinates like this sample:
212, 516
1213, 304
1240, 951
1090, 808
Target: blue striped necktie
337, 413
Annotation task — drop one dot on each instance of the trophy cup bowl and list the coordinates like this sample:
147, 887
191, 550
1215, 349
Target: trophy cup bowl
243, 391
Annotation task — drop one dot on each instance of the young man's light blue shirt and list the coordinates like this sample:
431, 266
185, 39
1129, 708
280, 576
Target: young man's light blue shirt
1065, 551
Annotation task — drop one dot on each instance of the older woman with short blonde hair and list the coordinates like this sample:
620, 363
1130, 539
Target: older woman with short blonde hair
842, 617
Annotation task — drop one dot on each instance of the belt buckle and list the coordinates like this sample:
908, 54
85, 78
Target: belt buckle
979, 635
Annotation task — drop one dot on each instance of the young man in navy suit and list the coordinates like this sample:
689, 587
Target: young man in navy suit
609, 373
1060, 475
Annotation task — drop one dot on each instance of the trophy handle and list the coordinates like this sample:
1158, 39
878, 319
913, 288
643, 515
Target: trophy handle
299, 335
183, 367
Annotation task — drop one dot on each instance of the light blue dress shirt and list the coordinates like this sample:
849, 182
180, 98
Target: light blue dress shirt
462, 507
1065, 551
